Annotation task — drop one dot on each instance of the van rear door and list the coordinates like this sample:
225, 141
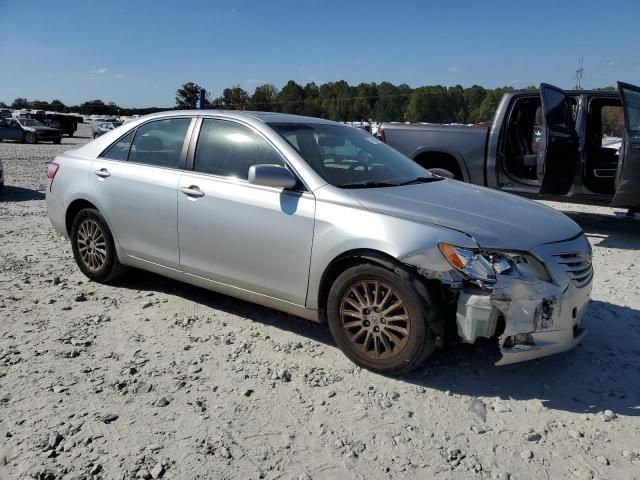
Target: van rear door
559, 152
628, 173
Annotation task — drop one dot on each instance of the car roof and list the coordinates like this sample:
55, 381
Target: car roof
266, 117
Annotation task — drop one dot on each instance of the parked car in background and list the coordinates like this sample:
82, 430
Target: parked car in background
66, 123
104, 127
326, 222
567, 159
5, 113
28, 130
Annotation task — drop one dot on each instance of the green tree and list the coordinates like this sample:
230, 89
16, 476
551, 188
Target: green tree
366, 97
389, 106
187, 95
39, 105
235, 98
291, 98
312, 100
20, 103
57, 106
473, 97
263, 98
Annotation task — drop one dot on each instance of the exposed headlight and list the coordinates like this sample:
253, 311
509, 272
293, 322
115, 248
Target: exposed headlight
472, 264
29, 129
482, 268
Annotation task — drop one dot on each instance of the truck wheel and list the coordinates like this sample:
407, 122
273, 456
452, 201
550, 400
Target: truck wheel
93, 247
441, 172
31, 138
379, 320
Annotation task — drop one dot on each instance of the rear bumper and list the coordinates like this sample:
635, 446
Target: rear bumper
56, 211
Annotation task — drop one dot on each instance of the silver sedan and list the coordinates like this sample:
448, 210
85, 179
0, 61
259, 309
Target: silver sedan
325, 222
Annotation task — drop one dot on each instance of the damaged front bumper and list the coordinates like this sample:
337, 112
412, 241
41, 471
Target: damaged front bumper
539, 318
533, 317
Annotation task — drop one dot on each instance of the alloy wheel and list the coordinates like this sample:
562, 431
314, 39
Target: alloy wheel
375, 319
92, 245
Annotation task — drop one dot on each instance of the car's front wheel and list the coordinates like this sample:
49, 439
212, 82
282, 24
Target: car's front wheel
31, 138
93, 247
379, 320
443, 172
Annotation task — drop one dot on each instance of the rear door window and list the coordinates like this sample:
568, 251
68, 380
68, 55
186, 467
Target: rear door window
229, 149
160, 143
120, 149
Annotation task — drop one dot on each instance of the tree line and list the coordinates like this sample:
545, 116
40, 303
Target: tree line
333, 100
92, 107
365, 101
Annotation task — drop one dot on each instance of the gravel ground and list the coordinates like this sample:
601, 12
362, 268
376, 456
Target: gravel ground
153, 378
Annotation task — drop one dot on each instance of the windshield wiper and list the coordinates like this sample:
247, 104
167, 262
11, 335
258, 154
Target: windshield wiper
368, 185
422, 180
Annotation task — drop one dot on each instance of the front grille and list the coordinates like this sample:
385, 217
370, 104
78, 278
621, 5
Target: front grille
577, 265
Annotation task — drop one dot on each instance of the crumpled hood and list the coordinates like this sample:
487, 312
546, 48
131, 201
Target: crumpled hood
494, 219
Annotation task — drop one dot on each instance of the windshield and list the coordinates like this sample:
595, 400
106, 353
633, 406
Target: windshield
27, 122
347, 157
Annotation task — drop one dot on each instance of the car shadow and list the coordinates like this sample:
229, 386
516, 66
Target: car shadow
19, 194
146, 281
599, 374
613, 232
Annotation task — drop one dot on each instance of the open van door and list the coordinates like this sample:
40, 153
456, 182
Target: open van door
628, 173
559, 152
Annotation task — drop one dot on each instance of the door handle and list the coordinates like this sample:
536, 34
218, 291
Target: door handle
102, 173
192, 191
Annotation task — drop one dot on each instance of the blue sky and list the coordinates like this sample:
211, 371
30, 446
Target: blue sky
137, 53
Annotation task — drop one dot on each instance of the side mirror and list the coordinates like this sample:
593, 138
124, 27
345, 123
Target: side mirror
271, 176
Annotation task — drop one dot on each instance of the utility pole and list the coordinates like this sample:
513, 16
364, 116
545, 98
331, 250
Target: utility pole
579, 73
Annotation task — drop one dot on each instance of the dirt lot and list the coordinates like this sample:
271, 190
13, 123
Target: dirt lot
153, 378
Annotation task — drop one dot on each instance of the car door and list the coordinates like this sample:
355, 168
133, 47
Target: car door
628, 172
10, 129
135, 183
559, 150
4, 129
246, 236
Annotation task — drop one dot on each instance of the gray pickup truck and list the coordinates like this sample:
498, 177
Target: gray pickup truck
546, 144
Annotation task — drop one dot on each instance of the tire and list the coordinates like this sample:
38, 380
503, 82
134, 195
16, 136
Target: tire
441, 172
103, 266
30, 138
406, 352
57, 142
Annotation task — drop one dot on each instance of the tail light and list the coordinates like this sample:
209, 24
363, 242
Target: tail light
52, 169
381, 136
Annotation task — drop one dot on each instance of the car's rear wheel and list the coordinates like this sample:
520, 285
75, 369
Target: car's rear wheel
379, 320
93, 247
31, 138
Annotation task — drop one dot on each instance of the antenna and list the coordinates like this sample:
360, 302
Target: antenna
579, 73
